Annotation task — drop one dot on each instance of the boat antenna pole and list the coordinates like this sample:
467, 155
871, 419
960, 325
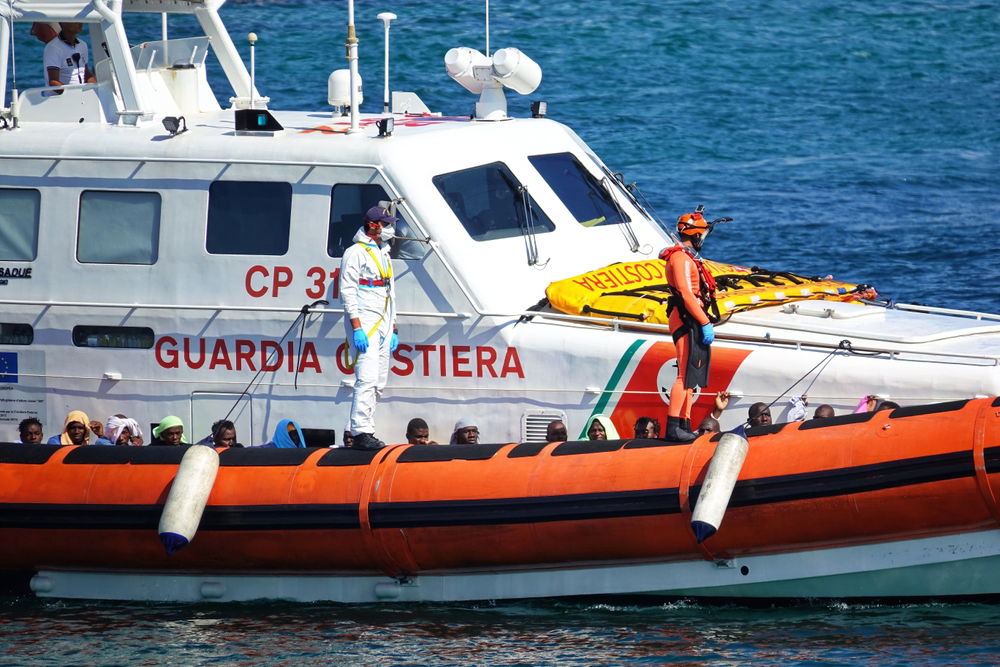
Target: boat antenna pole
386, 18
164, 37
352, 59
252, 38
487, 28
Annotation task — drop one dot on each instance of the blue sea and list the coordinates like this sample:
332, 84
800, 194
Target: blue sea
853, 138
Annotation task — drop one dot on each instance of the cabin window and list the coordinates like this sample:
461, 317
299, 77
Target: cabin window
490, 203
248, 218
16, 334
585, 197
18, 224
127, 337
348, 203
119, 227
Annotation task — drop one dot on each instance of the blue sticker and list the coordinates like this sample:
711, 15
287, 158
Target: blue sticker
8, 366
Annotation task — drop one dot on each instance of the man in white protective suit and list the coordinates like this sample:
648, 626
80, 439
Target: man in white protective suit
369, 297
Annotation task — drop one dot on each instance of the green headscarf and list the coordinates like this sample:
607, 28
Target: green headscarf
169, 421
609, 429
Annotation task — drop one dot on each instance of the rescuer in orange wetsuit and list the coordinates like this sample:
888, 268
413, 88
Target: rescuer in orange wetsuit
692, 288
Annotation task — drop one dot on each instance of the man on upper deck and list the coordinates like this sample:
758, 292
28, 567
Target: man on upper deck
369, 295
66, 58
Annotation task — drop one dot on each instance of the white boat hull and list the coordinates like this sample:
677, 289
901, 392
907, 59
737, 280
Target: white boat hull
956, 565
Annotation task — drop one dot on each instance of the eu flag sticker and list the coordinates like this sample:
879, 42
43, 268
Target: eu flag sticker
8, 366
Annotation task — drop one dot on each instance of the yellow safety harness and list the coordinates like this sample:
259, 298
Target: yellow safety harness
385, 274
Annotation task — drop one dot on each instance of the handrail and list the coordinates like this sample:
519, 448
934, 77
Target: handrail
197, 160
947, 311
215, 307
743, 338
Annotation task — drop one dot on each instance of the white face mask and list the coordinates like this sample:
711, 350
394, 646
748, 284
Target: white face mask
387, 234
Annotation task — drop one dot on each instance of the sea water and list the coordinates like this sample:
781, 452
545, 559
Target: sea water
852, 138
512, 633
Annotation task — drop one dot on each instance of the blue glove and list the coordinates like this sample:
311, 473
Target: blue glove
707, 333
393, 342
360, 340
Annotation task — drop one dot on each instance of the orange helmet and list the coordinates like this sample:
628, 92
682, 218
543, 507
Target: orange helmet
691, 224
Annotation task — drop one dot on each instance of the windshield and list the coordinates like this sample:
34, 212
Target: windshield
490, 203
589, 202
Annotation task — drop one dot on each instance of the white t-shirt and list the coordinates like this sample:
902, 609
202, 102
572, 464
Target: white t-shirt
60, 54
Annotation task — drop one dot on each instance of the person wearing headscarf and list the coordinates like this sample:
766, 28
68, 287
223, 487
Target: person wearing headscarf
466, 432
121, 430
133, 427
601, 428
76, 431
170, 432
287, 434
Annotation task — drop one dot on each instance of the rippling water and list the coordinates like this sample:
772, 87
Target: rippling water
536, 633
853, 138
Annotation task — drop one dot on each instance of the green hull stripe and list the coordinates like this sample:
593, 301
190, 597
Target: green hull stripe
612, 383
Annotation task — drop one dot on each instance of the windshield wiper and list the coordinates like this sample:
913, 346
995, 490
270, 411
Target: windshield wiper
528, 222
528, 227
633, 240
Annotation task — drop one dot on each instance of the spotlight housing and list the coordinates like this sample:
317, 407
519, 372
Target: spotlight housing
385, 126
175, 125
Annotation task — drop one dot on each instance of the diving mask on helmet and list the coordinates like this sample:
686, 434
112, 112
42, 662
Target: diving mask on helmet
694, 228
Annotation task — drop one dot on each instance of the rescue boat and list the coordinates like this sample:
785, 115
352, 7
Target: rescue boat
167, 254
896, 504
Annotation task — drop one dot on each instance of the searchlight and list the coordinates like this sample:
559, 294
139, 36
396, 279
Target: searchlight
487, 77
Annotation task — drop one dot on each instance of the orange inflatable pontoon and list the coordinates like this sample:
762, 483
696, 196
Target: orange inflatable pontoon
873, 481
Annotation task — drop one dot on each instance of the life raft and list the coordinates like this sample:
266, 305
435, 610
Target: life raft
638, 290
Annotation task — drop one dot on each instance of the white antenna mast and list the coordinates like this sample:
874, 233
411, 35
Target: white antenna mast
163, 37
352, 59
252, 38
487, 28
386, 18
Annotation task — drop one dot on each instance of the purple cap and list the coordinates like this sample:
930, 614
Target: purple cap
379, 214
